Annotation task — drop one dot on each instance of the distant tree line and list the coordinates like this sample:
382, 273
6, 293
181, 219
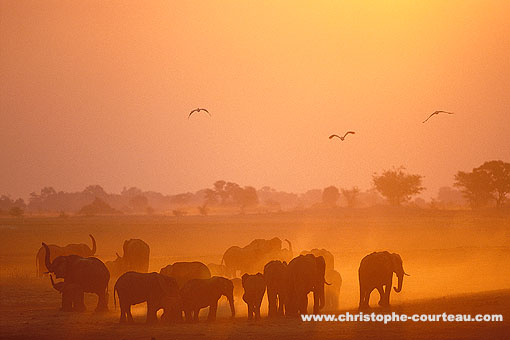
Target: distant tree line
485, 186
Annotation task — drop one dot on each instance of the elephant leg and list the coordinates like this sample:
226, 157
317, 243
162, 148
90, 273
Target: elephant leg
196, 313
79, 304
316, 303
102, 302
303, 304
257, 312
123, 314
67, 301
151, 313
129, 315
382, 295
250, 311
387, 294
188, 315
212, 311
271, 300
364, 298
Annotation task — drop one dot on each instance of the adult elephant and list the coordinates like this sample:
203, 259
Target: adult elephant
88, 272
328, 257
305, 274
376, 272
182, 272
135, 258
275, 273
237, 258
252, 258
80, 249
136, 255
201, 293
159, 291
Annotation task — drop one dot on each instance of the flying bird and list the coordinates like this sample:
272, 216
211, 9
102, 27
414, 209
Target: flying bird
436, 113
198, 110
342, 137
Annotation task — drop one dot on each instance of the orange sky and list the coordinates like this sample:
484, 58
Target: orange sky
98, 92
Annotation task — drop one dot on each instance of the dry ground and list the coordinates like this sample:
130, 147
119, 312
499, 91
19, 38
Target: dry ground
458, 263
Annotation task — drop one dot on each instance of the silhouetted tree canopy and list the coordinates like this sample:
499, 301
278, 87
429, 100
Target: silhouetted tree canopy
139, 202
397, 186
490, 181
351, 196
330, 196
98, 207
16, 212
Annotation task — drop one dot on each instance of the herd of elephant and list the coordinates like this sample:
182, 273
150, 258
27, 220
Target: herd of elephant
186, 287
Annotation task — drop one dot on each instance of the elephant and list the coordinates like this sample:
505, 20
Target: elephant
136, 255
159, 291
238, 287
72, 296
332, 292
182, 272
376, 272
217, 269
275, 274
265, 246
136, 258
306, 273
88, 272
201, 293
253, 257
80, 249
254, 289
328, 257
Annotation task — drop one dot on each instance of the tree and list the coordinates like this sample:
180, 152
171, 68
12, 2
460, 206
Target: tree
351, 195
98, 207
330, 196
95, 190
397, 186
490, 181
211, 196
139, 202
16, 212
219, 188
245, 197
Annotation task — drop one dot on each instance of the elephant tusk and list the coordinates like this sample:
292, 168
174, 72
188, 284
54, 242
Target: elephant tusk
406, 274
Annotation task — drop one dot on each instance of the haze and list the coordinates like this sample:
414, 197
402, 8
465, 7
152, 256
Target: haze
99, 92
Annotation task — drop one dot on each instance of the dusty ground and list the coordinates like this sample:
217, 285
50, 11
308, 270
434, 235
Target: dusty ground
458, 264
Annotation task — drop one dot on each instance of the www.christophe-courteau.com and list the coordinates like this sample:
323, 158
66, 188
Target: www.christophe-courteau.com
395, 317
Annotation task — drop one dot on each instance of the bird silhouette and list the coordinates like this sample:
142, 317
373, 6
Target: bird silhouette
198, 110
436, 113
342, 137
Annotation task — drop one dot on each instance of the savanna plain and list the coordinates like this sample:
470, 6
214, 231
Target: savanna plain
458, 262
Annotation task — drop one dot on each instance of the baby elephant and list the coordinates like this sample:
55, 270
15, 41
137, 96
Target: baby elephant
201, 293
72, 296
254, 289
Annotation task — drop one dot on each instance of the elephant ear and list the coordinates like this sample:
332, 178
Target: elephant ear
244, 278
165, 283
321, 264
396, 262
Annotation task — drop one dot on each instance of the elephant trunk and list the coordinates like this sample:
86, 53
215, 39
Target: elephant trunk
290, 244
47, 257
93, 245
230, 299
400, 281
53, 282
